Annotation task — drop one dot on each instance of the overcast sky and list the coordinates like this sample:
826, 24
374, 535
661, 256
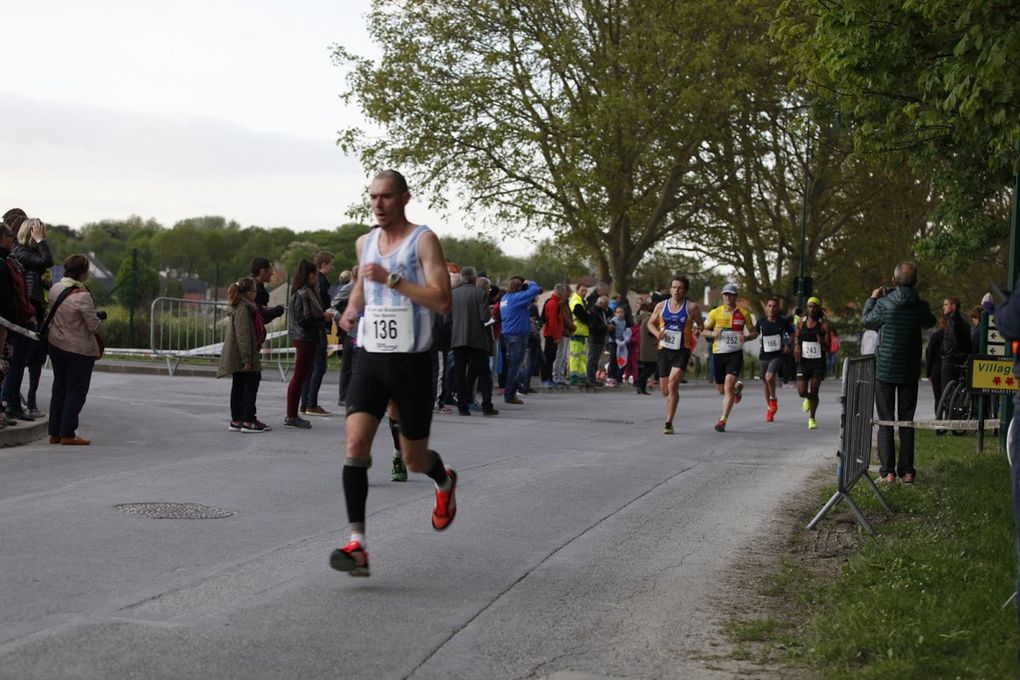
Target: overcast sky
111, 108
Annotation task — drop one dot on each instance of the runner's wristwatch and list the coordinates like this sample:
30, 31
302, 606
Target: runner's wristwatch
394, 280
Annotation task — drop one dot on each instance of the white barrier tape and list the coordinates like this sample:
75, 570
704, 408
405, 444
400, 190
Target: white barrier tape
21, 330
990, 423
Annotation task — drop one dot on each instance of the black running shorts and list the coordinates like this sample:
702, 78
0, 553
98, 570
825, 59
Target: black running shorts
811, 369
405, 378
673, 358
730, 362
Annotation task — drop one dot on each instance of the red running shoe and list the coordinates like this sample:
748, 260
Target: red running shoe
738, 389
720, 426
773, 406
770, 415
445, 508
351, 558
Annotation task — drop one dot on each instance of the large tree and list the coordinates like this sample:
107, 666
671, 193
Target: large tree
936, 79
587, 117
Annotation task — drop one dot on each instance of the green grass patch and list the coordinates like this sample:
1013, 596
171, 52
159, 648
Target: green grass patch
924, 597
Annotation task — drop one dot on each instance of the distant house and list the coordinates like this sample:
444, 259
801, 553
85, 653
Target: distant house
99, 275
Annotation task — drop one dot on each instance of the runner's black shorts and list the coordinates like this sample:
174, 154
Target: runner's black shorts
730, 362
405, 378
673, 358
811, 369
773, 365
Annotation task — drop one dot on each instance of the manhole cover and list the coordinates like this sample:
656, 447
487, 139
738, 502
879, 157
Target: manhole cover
173, 510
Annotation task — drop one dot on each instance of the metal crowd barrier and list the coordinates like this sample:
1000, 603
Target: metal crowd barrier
857, 396
180, 329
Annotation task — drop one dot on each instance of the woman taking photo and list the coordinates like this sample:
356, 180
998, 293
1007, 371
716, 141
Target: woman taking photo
304, 325
33, 254
74, 348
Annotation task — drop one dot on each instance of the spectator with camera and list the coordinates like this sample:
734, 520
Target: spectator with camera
74, 346
900, 314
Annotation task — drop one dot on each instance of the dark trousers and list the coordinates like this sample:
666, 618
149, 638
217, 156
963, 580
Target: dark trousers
595, 347
346, 366
242, 396
303, 360
516, 349
72, 375
936, 387
895, 402
469, 365
648, 369
444, 377
23, 350
551, 347
310, 393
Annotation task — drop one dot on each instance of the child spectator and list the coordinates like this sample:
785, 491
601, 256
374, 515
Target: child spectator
240, 357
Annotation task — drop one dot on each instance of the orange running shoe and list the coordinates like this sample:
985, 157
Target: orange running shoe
351, 558
445, 508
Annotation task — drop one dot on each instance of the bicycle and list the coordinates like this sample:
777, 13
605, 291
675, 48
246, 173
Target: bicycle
957, 402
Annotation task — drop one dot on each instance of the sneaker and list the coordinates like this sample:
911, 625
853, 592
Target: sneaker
907, 478
297, 422
806, 406
513, 400
351, 558
265, 428
317, 411
234, 426
35, 413
474, 407
445, 508
252, 428
738, 389
812, 424
444, 409
667, 428
398, 473
770, 416
887, 479
773, 406
548, 384
720, 425
489, 411
611, 383
464, 411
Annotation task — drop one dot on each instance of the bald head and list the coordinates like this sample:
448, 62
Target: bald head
905, 274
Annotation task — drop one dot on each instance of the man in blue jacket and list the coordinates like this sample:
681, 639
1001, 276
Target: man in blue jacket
513, 312
900, 314
1007, 318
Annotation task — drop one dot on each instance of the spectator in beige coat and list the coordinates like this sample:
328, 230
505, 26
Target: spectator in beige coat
74, 347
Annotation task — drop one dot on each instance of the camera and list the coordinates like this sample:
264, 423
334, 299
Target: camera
101, 315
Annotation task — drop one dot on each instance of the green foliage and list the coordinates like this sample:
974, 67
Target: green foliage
588, 119
295, 252
137, 281
931, 78
116, 328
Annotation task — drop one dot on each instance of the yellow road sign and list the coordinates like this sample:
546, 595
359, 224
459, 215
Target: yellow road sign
992, 374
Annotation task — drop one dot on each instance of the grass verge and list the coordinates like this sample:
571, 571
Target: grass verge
922, 599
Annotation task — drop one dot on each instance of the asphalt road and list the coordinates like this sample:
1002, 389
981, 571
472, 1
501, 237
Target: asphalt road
587, 544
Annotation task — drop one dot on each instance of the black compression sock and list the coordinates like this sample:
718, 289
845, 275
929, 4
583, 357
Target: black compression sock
395, 432
355, 479
437, 471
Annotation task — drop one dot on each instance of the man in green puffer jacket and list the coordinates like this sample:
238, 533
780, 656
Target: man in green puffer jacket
899, 315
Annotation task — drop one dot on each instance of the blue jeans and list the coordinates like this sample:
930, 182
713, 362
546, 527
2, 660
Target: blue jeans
516, 347
72, 375
310, 393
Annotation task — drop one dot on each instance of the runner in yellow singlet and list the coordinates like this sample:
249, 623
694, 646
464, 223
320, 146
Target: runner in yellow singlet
729, 326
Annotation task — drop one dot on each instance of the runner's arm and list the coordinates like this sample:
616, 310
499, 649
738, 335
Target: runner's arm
435, 294
653, 321
697, 325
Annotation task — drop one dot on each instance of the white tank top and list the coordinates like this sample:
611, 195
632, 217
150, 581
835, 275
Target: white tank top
380, 296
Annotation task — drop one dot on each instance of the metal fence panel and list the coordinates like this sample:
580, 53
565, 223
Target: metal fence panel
180, 329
